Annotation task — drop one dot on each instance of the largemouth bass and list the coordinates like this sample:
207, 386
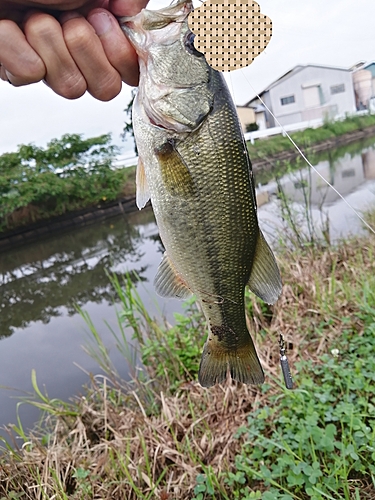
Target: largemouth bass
195, 167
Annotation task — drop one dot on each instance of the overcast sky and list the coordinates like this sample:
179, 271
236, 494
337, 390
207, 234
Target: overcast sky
333, 33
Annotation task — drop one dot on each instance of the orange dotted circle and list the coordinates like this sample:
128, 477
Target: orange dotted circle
231, 34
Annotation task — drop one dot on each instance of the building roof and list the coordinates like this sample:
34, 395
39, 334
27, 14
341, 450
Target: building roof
293, 72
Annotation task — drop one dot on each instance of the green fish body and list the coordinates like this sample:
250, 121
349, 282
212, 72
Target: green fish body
195, 167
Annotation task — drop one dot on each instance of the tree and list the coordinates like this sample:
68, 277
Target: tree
128, 127
70, 173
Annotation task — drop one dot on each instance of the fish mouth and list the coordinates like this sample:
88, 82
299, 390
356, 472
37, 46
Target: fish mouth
151, 20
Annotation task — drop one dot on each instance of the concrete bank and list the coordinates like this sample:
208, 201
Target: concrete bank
33, 232
334, 142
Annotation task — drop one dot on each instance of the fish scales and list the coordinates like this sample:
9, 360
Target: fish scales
195, 167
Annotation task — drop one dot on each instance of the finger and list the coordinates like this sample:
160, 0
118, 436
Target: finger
18, 58
4, 74
127, 7
18, 5
103, 80
45, 35
117, 48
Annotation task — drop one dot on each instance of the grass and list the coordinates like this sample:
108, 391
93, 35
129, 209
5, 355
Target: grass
266, 148
163, 436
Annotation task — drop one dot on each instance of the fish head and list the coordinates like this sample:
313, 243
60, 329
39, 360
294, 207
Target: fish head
174, 77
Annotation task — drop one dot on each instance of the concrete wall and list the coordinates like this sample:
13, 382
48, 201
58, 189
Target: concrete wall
260, 118
269, 118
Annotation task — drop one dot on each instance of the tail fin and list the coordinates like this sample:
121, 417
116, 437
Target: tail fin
217, 359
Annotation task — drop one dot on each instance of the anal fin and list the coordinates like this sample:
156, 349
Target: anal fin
168, 283
265, 279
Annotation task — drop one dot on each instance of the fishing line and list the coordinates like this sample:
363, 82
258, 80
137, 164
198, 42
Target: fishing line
307, 161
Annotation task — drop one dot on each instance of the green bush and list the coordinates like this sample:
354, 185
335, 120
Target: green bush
70, 173
251, 127
175, 351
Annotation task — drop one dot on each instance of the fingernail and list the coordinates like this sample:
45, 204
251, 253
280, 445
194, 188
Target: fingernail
101, 22
8, 75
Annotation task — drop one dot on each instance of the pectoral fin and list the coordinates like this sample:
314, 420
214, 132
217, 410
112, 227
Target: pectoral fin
176, 175
143, 194
265, 279
168, 283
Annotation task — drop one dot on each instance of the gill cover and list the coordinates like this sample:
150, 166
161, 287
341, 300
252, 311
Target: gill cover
174, 88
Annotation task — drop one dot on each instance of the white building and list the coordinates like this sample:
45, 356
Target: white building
307, 93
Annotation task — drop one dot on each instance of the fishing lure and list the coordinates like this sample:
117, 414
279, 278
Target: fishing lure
285, 364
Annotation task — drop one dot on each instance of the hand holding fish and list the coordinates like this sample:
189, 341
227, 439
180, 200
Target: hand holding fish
74, 46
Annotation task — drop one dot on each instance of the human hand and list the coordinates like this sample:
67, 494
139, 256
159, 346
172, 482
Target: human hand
74, 45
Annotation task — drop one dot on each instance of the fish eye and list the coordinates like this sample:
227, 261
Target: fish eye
189, 44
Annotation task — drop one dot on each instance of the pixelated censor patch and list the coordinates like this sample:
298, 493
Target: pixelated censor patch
230, 33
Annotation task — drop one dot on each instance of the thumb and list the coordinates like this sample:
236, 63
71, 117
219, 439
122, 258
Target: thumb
126, 7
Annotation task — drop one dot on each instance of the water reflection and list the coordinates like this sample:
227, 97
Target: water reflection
67, 270
352, 175
368, 159
40, 285
344, 174
331, 155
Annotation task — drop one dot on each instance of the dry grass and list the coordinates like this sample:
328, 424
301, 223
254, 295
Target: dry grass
193, 429
320, 288
113, 445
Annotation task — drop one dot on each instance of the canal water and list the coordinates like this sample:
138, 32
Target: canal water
313, 205
40, 286
42, 283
